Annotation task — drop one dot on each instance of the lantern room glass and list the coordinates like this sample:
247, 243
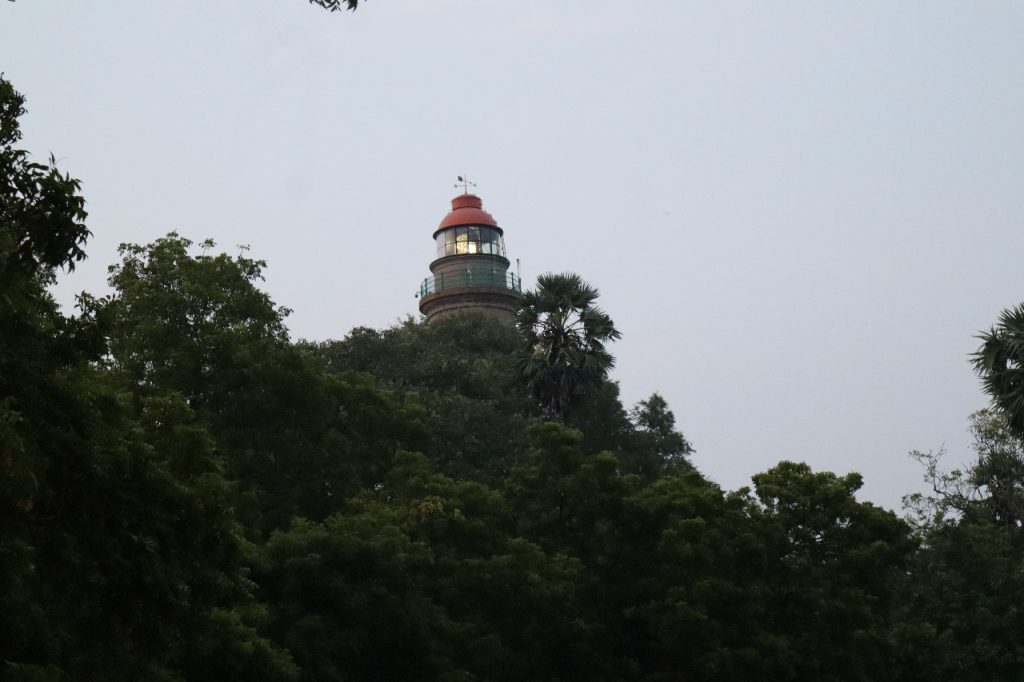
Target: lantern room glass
469, 240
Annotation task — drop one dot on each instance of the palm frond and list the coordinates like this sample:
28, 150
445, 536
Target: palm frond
1000, 365
564, 355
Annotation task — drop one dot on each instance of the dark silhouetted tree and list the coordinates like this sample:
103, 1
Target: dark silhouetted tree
565, 334
1000, 364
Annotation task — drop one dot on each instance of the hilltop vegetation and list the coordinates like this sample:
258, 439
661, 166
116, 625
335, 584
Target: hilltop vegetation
188, 494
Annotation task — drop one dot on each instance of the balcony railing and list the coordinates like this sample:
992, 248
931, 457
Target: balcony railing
503, 280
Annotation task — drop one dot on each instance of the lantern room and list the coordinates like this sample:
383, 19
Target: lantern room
468, 229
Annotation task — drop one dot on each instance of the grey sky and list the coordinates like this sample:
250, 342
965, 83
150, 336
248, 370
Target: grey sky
798, 213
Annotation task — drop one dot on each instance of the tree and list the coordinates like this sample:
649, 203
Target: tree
336, 5
959, 610
178, 321
659, 446
689, 574
564, 357
462, 370
835, 567
1000, 364
197, 326
990, 490
42, 229
345, 599
42, 214
459, 369
120, 555
420, 579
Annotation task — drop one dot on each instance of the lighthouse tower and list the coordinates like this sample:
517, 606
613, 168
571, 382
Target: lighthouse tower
470, 267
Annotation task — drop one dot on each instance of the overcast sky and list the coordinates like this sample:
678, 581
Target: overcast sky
798, 213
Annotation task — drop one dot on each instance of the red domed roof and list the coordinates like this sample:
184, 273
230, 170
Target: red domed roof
467, 209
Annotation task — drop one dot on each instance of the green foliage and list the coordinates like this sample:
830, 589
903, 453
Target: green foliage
837, 564
959, 612
185, 494
139, 555
1000, 364
344, 598
564, 356
336, 5
119, 554
989, 491
41, 229
657, 425
42, 214
197, 327
655, 447
458, 369
181, 321
418, 580
692, 565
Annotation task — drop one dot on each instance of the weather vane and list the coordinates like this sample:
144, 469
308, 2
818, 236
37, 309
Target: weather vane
464, 183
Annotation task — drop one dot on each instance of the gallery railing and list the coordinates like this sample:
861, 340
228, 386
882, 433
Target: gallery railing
504, 280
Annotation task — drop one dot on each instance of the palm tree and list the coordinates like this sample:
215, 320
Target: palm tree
1000, 363
564, 356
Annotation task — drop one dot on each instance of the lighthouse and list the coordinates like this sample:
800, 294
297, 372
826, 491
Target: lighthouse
470, 266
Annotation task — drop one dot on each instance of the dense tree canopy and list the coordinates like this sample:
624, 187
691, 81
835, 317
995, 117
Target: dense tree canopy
120, 556
187, 494
959, 612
